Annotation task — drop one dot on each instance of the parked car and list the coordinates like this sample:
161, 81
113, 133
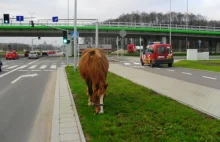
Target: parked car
26, 53
33, 55
11, 55
1, 64
156, 54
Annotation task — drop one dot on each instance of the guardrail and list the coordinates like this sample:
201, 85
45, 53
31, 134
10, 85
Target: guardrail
61, 22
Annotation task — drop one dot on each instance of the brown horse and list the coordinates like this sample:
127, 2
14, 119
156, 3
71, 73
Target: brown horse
93, 66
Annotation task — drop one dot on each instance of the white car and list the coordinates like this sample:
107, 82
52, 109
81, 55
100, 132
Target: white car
33, 55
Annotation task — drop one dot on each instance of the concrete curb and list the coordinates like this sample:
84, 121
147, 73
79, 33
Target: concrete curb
82, 137
55, 130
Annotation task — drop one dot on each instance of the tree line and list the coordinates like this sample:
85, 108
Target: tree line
177, 18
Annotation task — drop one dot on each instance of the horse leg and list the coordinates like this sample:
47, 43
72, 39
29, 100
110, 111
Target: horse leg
89, 91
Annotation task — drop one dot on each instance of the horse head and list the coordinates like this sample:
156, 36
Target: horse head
98, 97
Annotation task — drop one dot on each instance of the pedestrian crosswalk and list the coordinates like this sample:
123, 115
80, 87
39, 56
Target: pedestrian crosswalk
32, 67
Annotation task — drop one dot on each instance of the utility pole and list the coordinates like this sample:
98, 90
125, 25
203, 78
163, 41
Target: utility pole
68, 12
31, 37
170, 21
75, 30
187, 23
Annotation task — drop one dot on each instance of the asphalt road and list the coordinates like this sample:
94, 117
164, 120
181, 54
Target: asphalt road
21, 99
204, 78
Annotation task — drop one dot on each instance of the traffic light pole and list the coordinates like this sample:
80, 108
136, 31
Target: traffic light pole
75, 29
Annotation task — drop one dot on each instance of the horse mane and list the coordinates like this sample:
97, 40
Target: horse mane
94, 65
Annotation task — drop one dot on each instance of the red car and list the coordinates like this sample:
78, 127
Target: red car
11, 55
131, 48
157, 53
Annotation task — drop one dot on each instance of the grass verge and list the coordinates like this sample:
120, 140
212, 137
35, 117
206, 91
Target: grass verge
209, 65
136, 114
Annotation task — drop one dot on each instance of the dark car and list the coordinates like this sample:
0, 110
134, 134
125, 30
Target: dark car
1, 65
26, 53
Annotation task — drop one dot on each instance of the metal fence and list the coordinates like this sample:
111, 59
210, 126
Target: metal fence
65, 22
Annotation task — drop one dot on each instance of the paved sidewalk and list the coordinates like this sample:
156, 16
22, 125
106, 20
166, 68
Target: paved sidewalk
66, 126
202, 98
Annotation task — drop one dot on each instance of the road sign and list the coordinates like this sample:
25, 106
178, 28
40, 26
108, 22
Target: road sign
19, 18
122, 33
55, 19
72, 34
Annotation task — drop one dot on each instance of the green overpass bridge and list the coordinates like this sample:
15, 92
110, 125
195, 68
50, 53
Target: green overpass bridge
46, 28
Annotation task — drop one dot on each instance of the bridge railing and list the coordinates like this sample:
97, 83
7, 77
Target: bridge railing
66, 22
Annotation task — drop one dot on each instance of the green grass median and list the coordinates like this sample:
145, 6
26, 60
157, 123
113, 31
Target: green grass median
134, 113
209, 65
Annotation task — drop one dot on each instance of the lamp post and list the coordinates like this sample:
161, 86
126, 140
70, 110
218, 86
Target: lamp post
186, 23
75, 45
68, 12
170, 21
31, 37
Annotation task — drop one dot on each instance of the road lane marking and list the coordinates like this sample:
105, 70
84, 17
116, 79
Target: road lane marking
127, 64
49, 70
209, 77
32, 67
24, 66
17, 69
4, 66
137, 63
53, 67
43, 66
170, 70
35, 70
187, 73
12, 67
28, 75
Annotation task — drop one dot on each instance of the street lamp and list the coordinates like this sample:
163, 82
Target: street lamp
75, 17
186, 23
31, 13
170, 21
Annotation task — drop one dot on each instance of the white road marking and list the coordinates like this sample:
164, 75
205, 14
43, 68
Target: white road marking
12, 67
17, 69
24, 66
53, 67
43, 66
35, 70
32, 67
49, 70
28, 75
137, 63
209, 77
170, 70
4, 66
127, 64
187, 73
137, 66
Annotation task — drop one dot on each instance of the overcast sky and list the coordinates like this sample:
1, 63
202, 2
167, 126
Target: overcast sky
99, 9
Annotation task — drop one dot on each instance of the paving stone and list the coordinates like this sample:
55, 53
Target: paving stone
62, 120
68, 124
70, 130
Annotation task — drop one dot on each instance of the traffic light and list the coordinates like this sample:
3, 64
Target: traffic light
32, 23
65, 38
6, 19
